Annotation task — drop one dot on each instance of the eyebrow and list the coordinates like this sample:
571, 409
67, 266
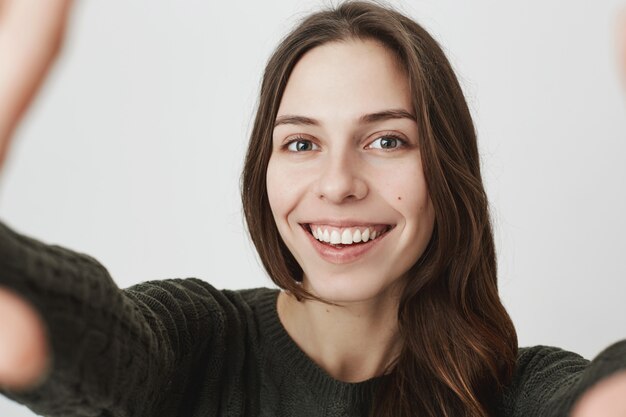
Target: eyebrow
290, 119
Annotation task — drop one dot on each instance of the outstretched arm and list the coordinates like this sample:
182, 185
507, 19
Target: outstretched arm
146, 350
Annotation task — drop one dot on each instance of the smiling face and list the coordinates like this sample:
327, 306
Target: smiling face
345, 180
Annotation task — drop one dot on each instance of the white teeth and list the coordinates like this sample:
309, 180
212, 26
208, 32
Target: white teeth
346, 237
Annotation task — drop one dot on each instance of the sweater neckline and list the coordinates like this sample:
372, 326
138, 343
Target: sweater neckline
297, 362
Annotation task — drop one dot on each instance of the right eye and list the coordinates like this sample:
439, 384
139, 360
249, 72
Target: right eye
301, 145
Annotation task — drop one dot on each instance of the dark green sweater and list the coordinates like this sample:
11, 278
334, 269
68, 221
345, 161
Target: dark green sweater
180, 347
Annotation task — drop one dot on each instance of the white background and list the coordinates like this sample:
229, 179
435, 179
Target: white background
132, 153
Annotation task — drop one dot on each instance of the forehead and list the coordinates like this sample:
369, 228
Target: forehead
346, 78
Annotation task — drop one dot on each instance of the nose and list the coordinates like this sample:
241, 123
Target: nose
341, 180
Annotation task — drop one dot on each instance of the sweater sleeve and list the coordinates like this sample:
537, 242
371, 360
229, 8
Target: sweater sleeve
114, 352
548, 380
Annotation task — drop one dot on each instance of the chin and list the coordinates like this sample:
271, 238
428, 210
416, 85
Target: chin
345, 288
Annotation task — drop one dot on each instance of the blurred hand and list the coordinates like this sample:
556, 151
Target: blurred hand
24, 357
607, 399
31, 35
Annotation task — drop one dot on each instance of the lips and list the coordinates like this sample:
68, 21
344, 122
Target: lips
344, 253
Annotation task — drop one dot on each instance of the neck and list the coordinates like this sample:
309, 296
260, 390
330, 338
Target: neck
352, 343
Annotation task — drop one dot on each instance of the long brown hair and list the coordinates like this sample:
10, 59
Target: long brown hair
459, 344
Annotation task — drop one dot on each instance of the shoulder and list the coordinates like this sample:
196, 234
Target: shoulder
533, 361
545, 369
194, 315
199, 299
194, 290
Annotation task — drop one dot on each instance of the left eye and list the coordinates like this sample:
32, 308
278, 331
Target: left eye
386, 142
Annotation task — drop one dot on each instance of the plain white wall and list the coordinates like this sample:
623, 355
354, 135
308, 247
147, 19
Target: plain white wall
132, 152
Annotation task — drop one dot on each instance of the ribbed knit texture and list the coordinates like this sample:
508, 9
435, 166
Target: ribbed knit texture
180, 347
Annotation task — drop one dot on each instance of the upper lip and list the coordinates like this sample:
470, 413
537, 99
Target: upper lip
345, 223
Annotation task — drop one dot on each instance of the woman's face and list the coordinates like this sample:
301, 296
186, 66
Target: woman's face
346, 167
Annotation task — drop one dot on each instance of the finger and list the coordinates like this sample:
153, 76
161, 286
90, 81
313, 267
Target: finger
34, 21
31, 32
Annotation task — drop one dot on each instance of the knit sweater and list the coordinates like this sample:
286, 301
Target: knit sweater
180, 347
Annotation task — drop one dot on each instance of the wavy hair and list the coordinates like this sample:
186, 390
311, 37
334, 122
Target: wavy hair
459, 345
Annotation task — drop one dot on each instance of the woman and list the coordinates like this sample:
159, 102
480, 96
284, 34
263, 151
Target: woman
363, 195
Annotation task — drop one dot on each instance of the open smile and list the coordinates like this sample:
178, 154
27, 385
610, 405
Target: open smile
347, 235
344, 244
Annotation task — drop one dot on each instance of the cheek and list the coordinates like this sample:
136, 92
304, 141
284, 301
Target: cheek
285, 187
275, 183
407, 193
405, 189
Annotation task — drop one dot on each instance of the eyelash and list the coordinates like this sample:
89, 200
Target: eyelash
403, 142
